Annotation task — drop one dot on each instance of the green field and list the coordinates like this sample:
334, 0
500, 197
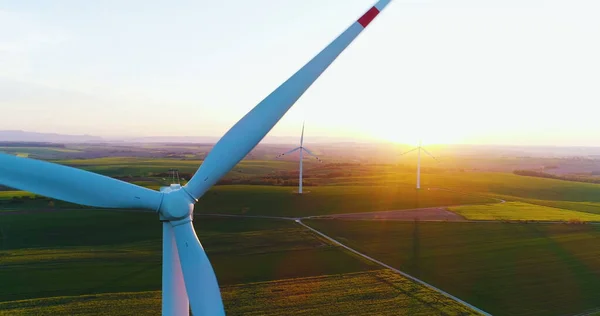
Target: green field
577, 196
504, 185
61, 258
94, 252
99, 262
521, 211
149, 172
362, 293
282, 201
322, 200
131, 166
40, 152
502, 268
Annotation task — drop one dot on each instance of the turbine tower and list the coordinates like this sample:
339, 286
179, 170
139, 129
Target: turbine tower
302, 149
419, 148
188, 278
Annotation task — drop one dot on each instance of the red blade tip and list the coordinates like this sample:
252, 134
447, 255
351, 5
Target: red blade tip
368, 17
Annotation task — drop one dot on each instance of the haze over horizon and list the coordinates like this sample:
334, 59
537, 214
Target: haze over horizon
462, 72
69, 139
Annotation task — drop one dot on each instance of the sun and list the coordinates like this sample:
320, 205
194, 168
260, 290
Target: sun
413, 132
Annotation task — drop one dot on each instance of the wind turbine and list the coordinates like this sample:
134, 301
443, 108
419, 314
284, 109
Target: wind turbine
302, 149
419, 148
188, 278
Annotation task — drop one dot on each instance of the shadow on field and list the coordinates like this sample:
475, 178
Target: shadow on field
587, 279
416, 249
418, 299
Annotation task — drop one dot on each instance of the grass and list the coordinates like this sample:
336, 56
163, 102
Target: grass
68, 253
504, 269
363, 293
521, 211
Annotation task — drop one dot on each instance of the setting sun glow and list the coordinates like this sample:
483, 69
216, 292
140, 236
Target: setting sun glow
410, 132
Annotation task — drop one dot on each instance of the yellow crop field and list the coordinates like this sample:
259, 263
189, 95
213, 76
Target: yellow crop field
522, 211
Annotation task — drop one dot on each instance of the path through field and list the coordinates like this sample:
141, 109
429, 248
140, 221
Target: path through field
299, 221
429, 214
364, 256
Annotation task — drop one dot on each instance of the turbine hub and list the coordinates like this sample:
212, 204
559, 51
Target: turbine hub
176, 205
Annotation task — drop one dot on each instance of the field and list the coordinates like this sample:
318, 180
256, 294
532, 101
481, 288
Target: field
522, 211
36, 253
421, 214
282, 201
362, 293
153, 172
124, 166
504, 185
47, 152
66, 262
322, 200
504, 269
11, 194
62, 258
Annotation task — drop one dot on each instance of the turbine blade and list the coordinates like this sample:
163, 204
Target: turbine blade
430, 155
288, 152
312, 154
200, 279
302, 136
74, 185
404, 153
174, 297
251, 129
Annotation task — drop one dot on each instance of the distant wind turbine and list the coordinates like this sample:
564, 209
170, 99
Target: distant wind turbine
419, 148
302, 149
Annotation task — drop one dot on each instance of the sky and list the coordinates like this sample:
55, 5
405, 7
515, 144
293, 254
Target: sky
511, 72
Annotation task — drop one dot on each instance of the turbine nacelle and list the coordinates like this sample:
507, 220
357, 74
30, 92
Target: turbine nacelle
172, 187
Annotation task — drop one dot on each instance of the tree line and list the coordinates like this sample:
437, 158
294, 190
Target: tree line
541, 174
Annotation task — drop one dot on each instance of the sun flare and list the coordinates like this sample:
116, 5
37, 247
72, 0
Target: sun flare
412, 133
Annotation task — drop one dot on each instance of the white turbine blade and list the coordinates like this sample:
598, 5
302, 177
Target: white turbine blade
74, 185
288, 152
311, 153
251, 129
174, 297
200, 279
404, 153
430, 155
302, 136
